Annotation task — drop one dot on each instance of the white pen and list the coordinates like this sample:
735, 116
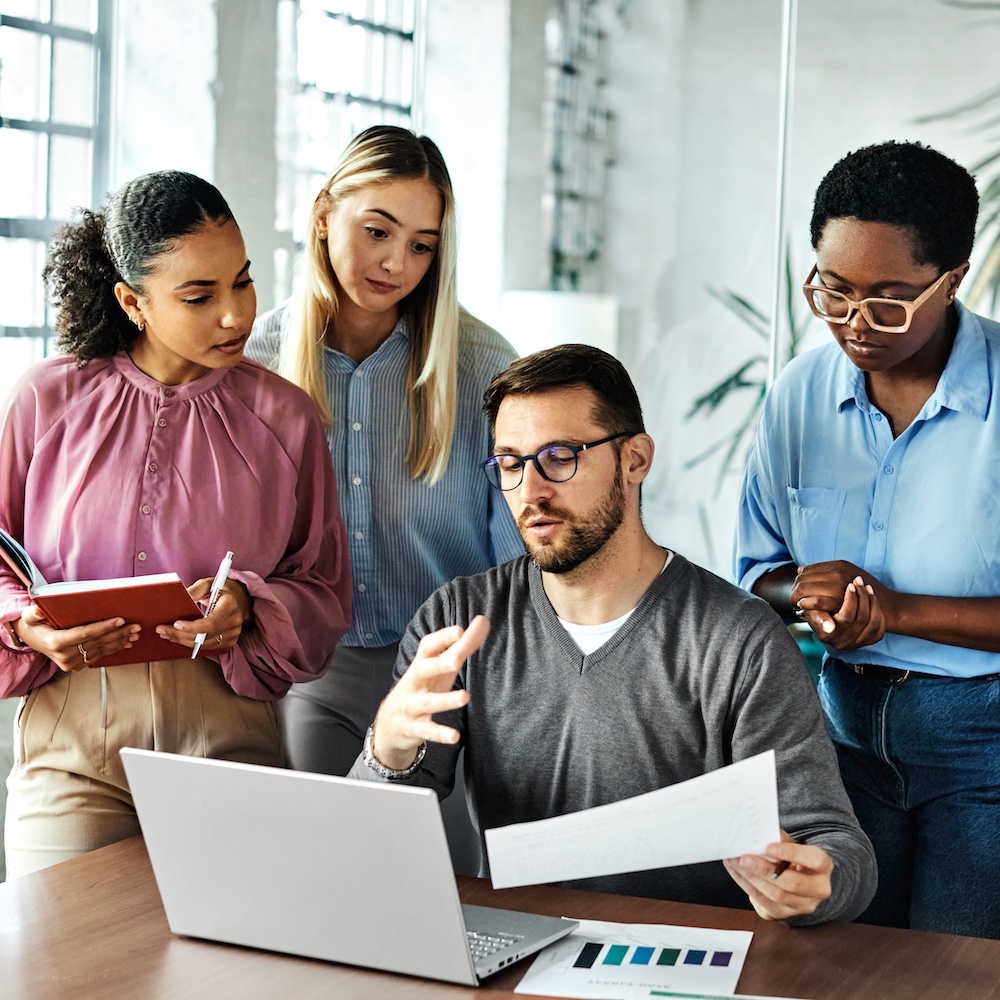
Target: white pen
213, 598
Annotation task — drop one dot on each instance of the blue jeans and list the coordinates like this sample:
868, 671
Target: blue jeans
921, 763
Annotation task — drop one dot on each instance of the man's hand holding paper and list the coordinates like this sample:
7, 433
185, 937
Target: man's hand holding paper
796, 881
694, 821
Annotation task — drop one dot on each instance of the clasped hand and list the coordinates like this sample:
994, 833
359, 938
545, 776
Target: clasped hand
844, 606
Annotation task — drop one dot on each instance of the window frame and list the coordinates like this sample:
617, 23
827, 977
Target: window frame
98, 134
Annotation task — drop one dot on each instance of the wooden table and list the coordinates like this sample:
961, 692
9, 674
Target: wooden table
94, 928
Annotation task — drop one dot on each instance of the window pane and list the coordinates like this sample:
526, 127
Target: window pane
69, 175
315, 54
37, 10
23, 301
335, 62
75, 13
24, 58
16, 353
398, 71
332, 55
23, 155
375, 69
399, 14
72, 82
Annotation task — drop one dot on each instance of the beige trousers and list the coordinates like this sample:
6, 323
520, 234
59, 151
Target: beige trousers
67, 792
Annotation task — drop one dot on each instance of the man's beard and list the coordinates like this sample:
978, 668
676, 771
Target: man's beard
587, 535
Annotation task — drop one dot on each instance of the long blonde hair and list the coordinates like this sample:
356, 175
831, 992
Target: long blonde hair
376, 156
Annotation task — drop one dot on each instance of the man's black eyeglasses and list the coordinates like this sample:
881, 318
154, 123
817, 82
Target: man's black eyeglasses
555, 462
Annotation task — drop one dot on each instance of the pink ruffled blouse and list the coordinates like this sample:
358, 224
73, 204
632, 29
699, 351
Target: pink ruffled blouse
105, 472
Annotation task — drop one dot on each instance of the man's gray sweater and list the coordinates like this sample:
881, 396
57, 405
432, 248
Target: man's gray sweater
699, 676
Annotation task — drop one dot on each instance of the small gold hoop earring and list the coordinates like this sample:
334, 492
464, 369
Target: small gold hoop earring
139, 324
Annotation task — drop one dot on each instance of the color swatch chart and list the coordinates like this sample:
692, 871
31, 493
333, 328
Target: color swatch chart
609, 961
597, 953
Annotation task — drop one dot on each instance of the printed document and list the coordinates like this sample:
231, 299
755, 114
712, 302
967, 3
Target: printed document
722, 814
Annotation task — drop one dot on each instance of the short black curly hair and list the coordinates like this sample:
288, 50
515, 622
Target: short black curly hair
904, 184
90, 255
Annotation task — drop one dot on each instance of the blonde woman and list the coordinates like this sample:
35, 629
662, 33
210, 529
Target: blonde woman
397, 368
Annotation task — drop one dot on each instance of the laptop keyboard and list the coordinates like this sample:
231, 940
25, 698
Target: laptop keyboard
484, 945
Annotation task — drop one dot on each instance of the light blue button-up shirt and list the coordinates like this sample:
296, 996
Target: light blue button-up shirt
406, 538
826, 480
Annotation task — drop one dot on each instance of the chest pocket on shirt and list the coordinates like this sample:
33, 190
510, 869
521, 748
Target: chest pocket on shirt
815, 515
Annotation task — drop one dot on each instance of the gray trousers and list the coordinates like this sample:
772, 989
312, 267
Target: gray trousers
323, 726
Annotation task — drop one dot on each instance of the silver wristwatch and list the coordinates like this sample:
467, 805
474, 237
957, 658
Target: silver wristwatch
368, 756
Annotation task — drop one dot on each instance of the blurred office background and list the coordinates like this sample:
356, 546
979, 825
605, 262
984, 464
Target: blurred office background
614, 161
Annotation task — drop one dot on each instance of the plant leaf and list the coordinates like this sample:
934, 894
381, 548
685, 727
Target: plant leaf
742, 309
733, 382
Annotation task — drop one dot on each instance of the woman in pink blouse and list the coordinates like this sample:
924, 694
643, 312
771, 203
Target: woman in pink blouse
153, 446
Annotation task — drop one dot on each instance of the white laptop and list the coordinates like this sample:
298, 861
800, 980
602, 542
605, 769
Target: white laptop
348, 871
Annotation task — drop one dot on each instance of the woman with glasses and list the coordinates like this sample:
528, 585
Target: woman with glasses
376, 336
870, 511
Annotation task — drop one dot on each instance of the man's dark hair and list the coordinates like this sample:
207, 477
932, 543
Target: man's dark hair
904, 184
617, 406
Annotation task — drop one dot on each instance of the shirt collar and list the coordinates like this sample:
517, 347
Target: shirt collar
964, 384
146, 383
400, 332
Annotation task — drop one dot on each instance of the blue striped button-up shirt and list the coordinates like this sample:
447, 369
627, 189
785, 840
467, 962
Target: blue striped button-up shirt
406, 538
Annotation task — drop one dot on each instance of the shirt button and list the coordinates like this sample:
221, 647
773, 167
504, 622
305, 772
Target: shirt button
141, 557
361, 588
356, 426
359, 535
153, 467
356, 480
878, 525
878, 416
369, 635
145, 508
888, 470
161, 422
168, 392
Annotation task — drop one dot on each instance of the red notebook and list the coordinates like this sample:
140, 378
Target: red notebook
159, 599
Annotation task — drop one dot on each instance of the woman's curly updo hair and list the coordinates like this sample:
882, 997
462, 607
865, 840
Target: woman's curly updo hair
90, 255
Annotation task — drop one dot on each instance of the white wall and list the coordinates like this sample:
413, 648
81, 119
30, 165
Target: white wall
466, 110
693, 196
646, 92
526, 254
165, 111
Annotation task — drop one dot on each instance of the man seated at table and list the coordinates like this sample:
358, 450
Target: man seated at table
603, 665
